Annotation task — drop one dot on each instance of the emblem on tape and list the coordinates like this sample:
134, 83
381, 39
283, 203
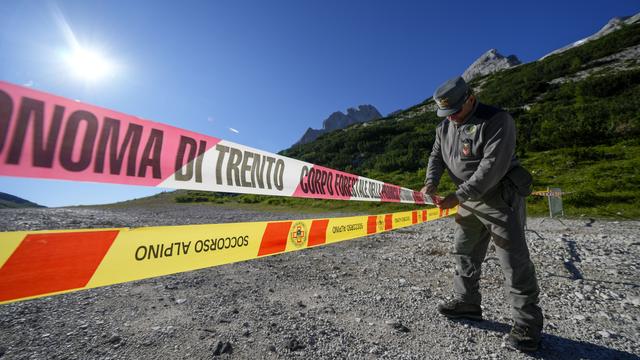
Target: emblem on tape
298, 234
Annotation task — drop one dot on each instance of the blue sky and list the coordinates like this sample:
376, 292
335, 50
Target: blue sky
267, 69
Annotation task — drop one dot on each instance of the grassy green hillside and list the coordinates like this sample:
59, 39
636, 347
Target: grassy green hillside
8, 201
578, 118
603, 181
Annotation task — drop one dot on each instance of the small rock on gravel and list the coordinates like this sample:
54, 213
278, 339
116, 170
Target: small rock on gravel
115, 339
294, 345
222, 348
634, 300
605, 334
398, 326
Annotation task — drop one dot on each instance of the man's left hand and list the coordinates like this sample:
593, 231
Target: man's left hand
448, 202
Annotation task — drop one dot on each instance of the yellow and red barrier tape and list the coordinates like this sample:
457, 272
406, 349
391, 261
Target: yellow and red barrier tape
50, 137
35, 264
549, 193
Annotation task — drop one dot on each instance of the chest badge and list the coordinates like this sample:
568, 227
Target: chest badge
466, 148
470, 130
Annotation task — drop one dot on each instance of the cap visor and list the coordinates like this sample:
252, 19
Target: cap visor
453, 109
446, 112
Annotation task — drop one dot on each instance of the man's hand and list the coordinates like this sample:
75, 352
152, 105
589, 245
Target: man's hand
448, 202
429, 189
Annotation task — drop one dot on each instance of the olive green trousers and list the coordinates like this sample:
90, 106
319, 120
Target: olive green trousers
501, 217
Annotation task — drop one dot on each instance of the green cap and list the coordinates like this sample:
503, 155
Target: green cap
450, 96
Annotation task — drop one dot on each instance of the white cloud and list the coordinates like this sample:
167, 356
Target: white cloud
210, 119
28, 83
234, 130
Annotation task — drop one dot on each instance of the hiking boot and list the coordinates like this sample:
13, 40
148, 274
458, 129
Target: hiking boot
458, 309
524, 338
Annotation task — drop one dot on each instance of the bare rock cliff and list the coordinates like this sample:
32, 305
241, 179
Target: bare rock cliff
488, 63
340, 120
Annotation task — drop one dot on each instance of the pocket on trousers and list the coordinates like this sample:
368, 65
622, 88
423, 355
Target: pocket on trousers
521, 180
499, 197
507, 195
465, 267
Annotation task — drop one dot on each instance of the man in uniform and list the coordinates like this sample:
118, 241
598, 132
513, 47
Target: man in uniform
476, 144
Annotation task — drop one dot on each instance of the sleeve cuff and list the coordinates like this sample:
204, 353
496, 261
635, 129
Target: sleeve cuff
461, 197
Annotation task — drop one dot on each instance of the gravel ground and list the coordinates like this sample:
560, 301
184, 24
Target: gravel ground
369, 298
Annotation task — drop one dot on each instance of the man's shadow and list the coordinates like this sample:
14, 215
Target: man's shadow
556, 347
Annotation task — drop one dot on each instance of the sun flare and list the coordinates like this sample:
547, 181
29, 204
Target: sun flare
89, 64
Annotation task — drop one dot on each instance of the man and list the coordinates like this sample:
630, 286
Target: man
476, 144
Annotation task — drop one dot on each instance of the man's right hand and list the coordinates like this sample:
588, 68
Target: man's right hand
429, 189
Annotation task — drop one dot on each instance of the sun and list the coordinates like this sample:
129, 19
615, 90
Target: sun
89, 64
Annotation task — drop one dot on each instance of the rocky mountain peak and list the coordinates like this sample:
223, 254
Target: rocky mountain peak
340, 120
490, 62
612, 25
615, 24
